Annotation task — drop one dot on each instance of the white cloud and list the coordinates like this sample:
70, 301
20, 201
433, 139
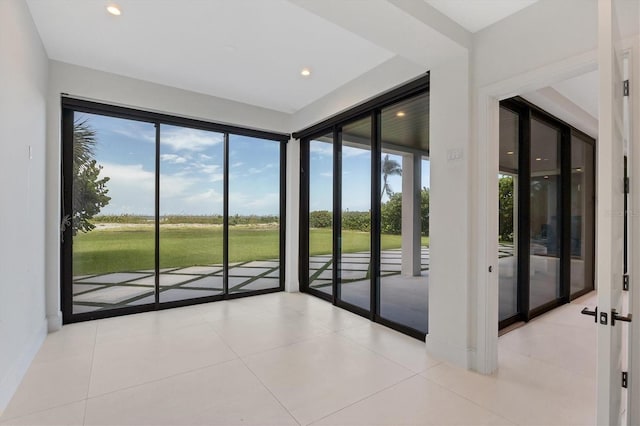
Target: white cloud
326, 174
325, 149
132, 181
184, 138
131, 188
173, 158
348, 152
208, 169
133, 131
202, 197
255, 171
267, 203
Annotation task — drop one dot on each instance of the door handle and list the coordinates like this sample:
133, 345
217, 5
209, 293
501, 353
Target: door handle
616, 317
593, 313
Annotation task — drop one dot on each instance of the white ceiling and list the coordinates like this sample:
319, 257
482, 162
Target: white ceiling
574, 100
582, 91
252, 51
475, 15
244, 50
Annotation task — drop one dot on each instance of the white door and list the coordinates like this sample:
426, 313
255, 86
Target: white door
612, 331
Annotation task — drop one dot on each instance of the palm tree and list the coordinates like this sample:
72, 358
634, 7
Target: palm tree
89, 188
84, 142
389, 168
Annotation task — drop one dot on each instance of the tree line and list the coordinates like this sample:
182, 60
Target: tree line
390, 216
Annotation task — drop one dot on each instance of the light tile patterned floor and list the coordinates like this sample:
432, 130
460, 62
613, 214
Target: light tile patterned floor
287, 359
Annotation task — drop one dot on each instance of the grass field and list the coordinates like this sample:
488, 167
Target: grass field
132, 247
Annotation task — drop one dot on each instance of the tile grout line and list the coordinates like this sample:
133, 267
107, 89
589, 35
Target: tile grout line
547, 363
261, 382
325, 332
30, 413
93, 354
171, 376
364, 398
384, 356
8, 420
469, 399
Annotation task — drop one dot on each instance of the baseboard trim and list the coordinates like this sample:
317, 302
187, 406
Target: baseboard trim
441, 349
10, 382
54, 322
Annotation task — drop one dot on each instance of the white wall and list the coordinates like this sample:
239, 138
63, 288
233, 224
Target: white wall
118, 90
23, 67
450, 330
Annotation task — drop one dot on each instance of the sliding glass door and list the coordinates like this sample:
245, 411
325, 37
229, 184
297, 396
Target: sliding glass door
545, 221
547, 208
354, 265
110, 225
404, 214
254, 214
191, 213
365, 212
320, 214
582, 213
160, 211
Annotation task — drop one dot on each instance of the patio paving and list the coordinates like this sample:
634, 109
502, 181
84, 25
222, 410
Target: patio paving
403, 299
112, 295
127, 288
113, 278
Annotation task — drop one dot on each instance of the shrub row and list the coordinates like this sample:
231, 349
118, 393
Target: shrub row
391, 216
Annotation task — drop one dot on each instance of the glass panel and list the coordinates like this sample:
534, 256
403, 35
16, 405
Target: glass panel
545, 214
507, 219
254, 214
582, 215
404, 218
113, 213
191, 213
321, 214
355, 241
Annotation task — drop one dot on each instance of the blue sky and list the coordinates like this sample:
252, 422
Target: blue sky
191, 171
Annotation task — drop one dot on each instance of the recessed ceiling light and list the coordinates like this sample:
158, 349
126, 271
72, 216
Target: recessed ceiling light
509, 152
579, 169
306, 72
538, 159
546, 177
400, 114
114, 10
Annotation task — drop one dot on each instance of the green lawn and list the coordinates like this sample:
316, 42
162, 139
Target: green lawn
132, 247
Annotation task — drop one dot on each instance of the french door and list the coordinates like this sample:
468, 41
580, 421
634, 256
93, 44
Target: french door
613, 310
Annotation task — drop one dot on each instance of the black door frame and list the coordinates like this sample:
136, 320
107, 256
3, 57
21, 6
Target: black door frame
69, 106
526, 112
373, 109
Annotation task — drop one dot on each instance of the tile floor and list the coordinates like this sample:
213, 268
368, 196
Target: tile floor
288, 359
